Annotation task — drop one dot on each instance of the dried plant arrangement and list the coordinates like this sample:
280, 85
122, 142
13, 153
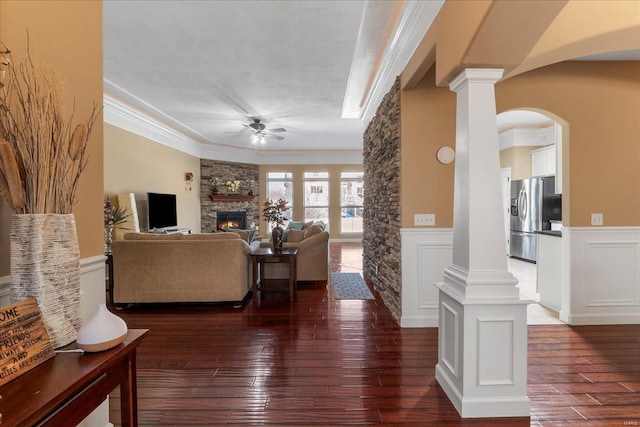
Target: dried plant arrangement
41, 154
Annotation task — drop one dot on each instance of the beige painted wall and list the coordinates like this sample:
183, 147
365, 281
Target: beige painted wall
298, 200
428, 115
66, 36
519, 160
134, 164
601, 103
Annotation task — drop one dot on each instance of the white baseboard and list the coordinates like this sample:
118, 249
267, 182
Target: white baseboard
425, 253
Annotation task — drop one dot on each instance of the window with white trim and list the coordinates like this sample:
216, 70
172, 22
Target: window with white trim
316, 196
280, 186
351, 201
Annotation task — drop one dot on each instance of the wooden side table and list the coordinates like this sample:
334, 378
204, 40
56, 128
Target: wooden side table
65, 389
109, 262
262, 256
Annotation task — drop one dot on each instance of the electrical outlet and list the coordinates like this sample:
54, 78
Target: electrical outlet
424, 219
597, 219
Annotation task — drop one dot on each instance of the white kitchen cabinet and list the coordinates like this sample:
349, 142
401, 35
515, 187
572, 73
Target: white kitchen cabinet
543, 161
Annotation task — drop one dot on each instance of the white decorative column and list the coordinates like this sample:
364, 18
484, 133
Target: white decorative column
482, 342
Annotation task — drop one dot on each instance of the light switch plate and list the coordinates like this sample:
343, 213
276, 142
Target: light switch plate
424, 219
597, 219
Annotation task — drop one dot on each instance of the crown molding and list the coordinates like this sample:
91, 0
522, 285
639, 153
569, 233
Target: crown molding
122, 115
317, 157
527, 137
412, 25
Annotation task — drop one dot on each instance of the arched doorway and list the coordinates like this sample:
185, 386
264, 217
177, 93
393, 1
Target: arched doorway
531, 145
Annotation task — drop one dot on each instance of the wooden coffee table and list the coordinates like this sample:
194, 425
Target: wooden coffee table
263, 256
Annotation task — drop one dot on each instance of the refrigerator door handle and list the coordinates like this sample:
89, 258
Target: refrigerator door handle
522, 205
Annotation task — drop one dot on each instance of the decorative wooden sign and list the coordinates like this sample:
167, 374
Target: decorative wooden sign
24, 342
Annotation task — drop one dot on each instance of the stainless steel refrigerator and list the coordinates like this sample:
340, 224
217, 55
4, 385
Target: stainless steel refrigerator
534, 205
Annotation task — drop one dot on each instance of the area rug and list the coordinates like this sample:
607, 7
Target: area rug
350, 286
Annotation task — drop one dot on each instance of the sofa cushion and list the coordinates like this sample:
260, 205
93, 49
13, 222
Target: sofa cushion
151, 236
210, 236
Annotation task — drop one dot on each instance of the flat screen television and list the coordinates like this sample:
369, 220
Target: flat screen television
161, 210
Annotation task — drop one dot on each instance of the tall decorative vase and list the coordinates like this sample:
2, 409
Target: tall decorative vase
277, 235
45, 264
108, 238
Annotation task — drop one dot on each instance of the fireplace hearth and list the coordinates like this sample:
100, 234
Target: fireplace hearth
237, 219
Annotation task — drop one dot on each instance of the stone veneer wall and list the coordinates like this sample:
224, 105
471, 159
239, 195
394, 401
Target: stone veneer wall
381, 237
223, 172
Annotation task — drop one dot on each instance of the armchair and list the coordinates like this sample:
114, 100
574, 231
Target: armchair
312, 262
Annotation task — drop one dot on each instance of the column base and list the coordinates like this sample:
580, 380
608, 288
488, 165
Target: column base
482, 355
483, 407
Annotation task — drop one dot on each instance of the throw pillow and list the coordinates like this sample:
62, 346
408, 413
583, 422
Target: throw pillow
312, 231
295, 236
245, 234
295, 225
306, 225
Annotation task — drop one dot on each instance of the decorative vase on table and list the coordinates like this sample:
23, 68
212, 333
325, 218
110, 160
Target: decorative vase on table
108, 238
277, 235
45, 264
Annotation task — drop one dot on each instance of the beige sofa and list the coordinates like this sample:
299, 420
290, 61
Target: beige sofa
312, 262
152, 268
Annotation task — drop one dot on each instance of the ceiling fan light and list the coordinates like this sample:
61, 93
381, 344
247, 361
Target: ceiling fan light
263, 140
254, 139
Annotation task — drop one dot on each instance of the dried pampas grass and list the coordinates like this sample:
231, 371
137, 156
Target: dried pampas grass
41, 159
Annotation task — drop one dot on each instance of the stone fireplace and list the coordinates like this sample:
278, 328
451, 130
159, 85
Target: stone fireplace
236, 219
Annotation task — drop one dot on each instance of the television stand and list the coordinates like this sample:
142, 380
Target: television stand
171, 231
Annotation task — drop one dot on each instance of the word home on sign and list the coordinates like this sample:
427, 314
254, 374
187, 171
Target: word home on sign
24, 342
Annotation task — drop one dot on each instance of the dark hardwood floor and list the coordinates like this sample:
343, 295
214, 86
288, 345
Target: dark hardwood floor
323, 362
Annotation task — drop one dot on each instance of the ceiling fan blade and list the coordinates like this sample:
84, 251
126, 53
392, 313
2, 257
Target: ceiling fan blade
277, 130
278, 137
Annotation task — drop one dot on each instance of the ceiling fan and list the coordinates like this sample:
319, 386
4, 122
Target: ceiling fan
260, 132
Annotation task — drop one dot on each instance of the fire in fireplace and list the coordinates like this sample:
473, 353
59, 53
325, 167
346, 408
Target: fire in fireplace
226, 220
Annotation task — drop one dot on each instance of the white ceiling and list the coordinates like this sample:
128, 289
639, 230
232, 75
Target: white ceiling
204, 69
190, 74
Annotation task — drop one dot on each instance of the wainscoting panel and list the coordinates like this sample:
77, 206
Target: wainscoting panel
5, 290
603, 284
425, 255
450, 352
92, 287
495, 351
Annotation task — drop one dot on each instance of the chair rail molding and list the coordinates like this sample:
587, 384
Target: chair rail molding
425, 253
600, 275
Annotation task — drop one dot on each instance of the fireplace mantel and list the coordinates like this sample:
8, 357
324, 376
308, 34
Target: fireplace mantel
231, 198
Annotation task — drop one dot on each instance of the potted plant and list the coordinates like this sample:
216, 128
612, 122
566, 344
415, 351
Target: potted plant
273, 213
113, 218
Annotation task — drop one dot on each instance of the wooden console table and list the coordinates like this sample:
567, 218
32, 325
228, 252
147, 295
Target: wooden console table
65, 389
262, 256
